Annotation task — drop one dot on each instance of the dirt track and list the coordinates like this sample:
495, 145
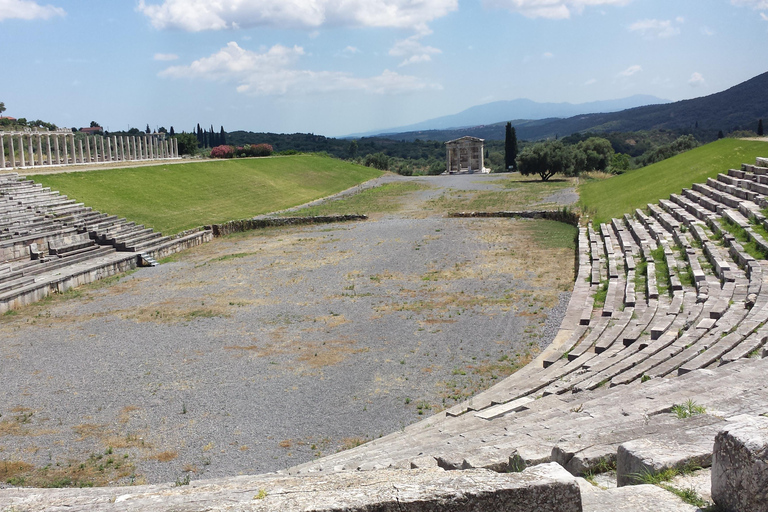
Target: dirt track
261, 351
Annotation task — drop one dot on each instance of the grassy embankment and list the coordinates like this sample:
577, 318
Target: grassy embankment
605, 199
172, 198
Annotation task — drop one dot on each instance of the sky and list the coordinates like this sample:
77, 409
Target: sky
335, 67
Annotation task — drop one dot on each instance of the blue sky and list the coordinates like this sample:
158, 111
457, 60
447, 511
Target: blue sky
335, 67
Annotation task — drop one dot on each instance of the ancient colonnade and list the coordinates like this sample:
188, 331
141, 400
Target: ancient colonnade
43, 148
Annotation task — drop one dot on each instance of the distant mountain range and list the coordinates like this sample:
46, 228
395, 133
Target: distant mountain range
739, 107
503, 111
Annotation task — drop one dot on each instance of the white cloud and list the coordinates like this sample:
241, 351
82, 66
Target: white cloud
413, 51
680, 20
273, 72
655, 28
759, 5
631, 70
707, 31
27, 10
591, 81
197, 15
552, 9
547, 55
351, 50
165, 56
696, 80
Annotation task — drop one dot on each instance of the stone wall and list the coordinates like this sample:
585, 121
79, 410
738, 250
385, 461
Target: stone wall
563, 215
237, 226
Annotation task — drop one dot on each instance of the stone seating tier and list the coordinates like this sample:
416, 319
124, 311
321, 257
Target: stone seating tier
43, 232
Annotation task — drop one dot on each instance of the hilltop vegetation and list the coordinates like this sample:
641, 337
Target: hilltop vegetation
738, 108
608, 198
172, 198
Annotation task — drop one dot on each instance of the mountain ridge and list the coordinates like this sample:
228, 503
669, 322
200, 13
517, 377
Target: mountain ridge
522, 108
738, 107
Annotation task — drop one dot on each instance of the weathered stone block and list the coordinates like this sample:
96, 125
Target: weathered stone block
740, 466
545, 488
635, 459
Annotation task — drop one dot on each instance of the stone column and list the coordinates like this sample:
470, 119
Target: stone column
67, 158
21, 151
95, 148
48, 145
2, 152
58, 154
133, 145
176, 148
482, 158
39, 149
80, 147
13, 153
72, 145
103, 152
122, 149
88, 148
116, 151
31, 151
146, 148
109, 149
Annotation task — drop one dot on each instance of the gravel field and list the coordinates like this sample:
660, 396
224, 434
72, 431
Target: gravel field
264, 350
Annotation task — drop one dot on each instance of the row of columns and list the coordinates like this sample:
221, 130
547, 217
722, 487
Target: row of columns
32, 149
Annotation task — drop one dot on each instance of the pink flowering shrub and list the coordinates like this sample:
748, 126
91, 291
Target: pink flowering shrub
223, 152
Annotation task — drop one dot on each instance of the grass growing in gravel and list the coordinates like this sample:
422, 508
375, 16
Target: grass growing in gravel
98, 469
519, 192
604, 199
172, 198
383, 199
554, 235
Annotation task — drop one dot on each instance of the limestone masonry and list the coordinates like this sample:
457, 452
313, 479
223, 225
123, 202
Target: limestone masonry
644, 376
34, 148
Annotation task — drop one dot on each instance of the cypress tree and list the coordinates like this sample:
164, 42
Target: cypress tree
510, 148
720, 135
222, 137
760, 127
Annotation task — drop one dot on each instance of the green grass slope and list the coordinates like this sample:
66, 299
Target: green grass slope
172, 198
605, 199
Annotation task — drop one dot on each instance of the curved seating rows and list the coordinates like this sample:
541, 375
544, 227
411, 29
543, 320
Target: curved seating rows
660, 295
44, 233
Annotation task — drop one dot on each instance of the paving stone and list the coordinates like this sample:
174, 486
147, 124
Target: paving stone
636, 498
640, 457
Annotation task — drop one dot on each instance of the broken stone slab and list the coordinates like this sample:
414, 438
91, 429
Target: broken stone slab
506, 408
636, 498
645, 457
579, 460
740, 466
528, 456
546, 488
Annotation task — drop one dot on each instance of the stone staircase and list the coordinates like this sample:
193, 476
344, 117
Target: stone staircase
668, 311
49, 243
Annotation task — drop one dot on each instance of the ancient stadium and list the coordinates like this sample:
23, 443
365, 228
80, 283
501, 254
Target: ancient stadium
467, 343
